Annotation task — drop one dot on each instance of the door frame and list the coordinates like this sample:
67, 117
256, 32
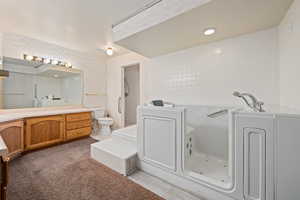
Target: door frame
121, 103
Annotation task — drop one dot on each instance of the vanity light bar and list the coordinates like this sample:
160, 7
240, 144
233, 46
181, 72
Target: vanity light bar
46, 61
144, 8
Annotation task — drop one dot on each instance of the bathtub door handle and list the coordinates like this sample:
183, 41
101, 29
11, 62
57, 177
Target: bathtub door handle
119, 105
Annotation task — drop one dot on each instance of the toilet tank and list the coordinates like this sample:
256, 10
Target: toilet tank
98, 113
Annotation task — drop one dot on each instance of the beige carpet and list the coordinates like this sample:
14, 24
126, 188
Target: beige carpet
66, 172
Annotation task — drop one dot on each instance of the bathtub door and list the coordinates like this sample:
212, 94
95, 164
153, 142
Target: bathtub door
158, 140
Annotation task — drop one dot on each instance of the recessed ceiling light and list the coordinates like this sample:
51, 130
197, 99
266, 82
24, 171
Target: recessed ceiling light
209, 31
55, 76
109, 51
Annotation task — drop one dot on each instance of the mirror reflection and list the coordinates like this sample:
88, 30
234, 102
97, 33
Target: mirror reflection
31, 84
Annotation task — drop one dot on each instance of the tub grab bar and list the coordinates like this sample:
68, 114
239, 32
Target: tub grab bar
218, 113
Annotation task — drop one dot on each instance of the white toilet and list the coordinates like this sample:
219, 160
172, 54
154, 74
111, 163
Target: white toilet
104, 123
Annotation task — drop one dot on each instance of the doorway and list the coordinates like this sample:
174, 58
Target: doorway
130, 93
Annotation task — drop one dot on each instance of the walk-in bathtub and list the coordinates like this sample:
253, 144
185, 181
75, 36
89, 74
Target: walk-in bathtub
208, 145
222, 152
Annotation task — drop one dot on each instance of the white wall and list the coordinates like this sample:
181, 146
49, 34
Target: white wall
114, 82
92, 64
203, 75
289, 46
207, 74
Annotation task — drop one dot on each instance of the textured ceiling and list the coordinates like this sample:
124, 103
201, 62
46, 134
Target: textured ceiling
76, 24
231, 18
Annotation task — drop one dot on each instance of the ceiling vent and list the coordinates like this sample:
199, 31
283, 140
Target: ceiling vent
152, 14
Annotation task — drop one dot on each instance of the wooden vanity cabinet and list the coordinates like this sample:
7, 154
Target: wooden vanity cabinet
44, 131
13, 135
4, 178
78, 125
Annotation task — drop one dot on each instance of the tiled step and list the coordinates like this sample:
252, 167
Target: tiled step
129, 133
116, 153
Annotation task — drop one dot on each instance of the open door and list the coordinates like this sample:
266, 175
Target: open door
130, 94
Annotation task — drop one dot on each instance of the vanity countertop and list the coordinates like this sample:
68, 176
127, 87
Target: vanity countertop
19, 114
16, 114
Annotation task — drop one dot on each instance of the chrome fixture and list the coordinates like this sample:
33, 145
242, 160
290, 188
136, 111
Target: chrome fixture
255, 105
119, 105
218, 113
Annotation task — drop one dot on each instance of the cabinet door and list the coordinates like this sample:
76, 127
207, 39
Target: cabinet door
159, 142
254, 164
4, 178
12, 134
44, 131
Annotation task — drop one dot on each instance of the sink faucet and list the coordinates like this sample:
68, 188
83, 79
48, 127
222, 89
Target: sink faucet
255, 105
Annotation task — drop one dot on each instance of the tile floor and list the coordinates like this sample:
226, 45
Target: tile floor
161, 188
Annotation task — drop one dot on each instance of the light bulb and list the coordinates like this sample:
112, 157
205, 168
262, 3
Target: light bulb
27, 57
46, 60
109, 51
68, 65
209, 31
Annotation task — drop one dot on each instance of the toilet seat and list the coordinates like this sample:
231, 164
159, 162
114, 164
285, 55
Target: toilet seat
105, 123
105, 120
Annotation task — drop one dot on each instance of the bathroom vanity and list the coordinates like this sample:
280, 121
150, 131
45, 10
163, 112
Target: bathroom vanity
23, 130
43, 127
237, 155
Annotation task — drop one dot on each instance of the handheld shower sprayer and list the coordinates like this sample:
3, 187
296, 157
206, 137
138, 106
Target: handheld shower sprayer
255, 104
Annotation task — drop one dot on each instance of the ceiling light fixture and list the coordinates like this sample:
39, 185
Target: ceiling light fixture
209, 31
109, 51
28, 57
46, 61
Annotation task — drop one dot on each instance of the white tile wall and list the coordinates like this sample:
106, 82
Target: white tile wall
207, 74
289, 43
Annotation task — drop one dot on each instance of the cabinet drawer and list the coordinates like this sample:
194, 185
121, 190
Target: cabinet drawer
78, 117
78, 124
79, 133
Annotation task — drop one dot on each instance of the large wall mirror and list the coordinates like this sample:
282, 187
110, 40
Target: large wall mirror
32, 84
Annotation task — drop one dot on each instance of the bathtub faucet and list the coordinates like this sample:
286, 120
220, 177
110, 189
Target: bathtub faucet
255, 105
